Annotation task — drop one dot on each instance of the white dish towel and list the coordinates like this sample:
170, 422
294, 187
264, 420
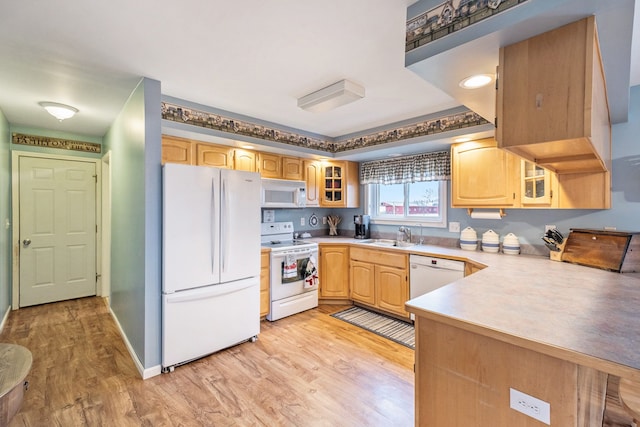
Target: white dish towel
290, 268
311, 274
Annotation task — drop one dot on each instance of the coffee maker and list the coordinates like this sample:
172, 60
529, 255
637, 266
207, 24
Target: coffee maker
362, 226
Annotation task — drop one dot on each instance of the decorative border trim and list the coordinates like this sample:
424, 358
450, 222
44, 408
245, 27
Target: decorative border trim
63, 144
449, 17
428, 127
208, 120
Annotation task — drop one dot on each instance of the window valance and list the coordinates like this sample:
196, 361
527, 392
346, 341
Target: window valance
421, 167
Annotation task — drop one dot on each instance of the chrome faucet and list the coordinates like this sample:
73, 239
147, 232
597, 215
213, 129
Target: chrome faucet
406, 231
421, 241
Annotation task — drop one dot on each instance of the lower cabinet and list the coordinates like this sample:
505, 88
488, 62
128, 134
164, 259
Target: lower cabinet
264, 283
380, 279
334, 271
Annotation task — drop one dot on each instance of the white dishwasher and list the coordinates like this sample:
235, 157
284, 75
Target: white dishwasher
428, 273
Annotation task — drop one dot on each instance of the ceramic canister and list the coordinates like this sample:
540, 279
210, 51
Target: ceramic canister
490, 241
511, 244
468, 239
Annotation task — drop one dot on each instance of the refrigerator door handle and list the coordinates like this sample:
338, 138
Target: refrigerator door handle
212, 230
223, 226
213, 291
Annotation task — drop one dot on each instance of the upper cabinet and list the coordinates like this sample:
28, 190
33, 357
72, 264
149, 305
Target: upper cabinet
484, 176
245, 160
292, 168
177, 150
219, 156
339, 186
270, 165
552, 102
332, 184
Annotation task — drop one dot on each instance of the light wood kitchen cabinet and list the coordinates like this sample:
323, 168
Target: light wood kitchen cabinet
484, 176
334, 271
177, 150
339, 185
312, 176
292, 168
219, 156
269, 165
392, 288
380, 279
551, 100
265, 280
536, 186
362, 282
245, 160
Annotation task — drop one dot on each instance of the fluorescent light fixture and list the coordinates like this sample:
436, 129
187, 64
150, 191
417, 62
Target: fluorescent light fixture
333, 96
59, 111
476, 81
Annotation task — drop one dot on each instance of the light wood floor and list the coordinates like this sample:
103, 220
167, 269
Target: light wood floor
305, 370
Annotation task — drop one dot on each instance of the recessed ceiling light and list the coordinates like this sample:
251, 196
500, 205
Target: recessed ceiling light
248, 147
59, 111
462, 139
394, 155
476, 81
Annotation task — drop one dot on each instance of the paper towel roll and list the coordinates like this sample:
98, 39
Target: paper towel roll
485, 215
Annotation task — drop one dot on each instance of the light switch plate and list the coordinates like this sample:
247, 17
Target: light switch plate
454, 227
268, 215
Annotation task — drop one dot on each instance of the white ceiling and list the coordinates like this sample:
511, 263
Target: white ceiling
253, 58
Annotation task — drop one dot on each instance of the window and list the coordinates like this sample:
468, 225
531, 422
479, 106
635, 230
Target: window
411, 189
417, 202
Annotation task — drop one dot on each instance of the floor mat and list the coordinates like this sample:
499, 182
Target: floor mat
385, 326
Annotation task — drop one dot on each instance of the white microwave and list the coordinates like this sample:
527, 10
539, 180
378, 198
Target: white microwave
283, 193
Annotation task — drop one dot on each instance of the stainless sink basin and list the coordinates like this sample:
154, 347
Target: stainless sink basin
387, 243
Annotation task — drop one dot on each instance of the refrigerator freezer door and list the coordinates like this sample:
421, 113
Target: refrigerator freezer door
240, 225
191, 237
201, 321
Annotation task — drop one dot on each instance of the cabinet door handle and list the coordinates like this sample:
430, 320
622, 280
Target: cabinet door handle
539, 101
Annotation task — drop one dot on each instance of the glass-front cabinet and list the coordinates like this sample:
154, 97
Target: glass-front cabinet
334, 184
536, 185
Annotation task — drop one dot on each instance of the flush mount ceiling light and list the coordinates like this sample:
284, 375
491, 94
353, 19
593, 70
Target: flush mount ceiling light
476, 81
333, 96
59, 111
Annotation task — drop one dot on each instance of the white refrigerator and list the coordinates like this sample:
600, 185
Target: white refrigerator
211, 261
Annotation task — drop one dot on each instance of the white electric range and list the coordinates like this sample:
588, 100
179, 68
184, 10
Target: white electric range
293, 274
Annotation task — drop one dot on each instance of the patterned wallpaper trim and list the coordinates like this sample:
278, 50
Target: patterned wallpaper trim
209, 120
451, 16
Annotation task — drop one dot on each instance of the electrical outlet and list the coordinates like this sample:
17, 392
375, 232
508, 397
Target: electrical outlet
302, 221
454, 227
530, 406
609, 229
549, 227
324, 220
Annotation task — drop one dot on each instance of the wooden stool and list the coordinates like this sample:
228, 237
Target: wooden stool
629, 393
15, 364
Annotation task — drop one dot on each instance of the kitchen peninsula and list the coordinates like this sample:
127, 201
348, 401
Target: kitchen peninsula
551, 330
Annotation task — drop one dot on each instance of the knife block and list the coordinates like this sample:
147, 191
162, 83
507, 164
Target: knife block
557, 255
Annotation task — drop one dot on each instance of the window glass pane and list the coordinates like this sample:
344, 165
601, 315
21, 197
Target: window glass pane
391, 200
424, 199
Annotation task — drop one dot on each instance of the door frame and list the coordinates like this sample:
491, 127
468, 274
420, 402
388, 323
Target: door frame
15, 214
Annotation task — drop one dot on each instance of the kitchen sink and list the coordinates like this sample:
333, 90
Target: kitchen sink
387, 243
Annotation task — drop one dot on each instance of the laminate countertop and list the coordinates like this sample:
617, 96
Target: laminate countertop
582, 314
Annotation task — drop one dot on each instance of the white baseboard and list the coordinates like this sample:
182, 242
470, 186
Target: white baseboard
5, 317
144, 373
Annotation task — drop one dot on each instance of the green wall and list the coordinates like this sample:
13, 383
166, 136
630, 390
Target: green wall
5, 215
134, 140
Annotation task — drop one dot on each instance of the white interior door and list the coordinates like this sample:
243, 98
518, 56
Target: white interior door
58, 227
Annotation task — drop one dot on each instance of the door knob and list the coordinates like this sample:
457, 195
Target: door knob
26, 242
